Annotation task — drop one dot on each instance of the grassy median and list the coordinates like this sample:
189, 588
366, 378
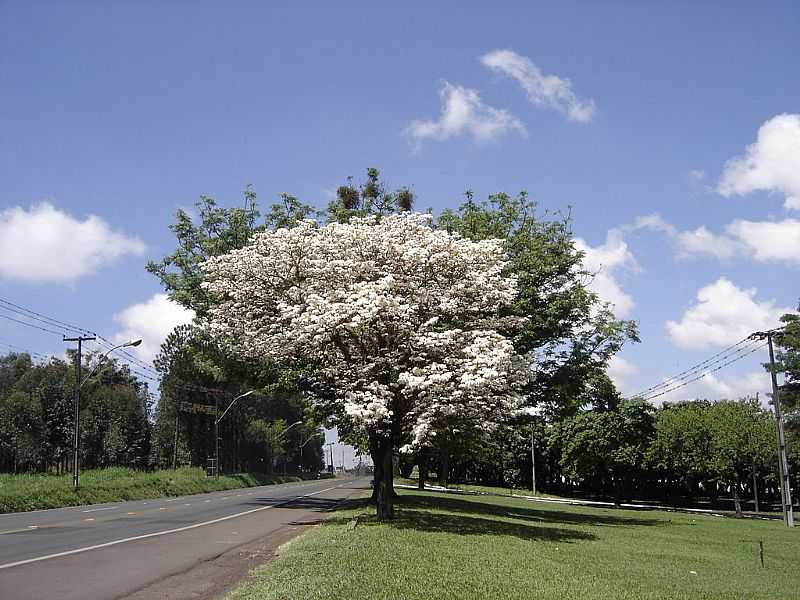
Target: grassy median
37, 491
446, 546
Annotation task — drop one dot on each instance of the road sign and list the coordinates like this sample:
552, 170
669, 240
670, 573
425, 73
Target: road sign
207, 409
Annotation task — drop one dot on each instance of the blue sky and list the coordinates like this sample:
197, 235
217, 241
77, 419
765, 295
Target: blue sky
630, 114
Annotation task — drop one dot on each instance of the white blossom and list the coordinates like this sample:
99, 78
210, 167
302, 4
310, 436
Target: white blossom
397, 314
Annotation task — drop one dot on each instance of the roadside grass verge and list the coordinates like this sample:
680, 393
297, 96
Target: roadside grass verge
447, 546
38, 491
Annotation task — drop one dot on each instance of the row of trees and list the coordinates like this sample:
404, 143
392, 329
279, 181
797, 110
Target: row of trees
630, 449
120, 426
37, 415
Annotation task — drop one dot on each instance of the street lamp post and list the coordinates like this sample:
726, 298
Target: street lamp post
76, 469
304, 444
280, 437
217, 419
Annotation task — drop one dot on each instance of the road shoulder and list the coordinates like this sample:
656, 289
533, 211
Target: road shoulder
214, 578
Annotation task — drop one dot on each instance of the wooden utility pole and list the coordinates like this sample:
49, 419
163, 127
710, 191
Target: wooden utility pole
76, 469
783, 463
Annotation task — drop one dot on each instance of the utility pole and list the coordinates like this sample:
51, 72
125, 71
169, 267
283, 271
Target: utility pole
783, 463
76, 472
216, 436
533, 461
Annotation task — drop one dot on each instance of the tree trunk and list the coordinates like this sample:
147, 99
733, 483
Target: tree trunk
423, 470
383, 490
737, 503
383, 494
444, 475
755, 490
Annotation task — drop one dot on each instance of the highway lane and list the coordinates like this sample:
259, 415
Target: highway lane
110, 550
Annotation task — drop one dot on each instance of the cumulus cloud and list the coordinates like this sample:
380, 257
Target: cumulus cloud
464, 113
621, 370
46, 244
723, 315
151, 321
772, 163
763, 241
768, 240
543, 90
605, 262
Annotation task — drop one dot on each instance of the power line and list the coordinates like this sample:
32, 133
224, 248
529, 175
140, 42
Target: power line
44, 318
134, 364
708, 372
718, 357
2, 316
26, 351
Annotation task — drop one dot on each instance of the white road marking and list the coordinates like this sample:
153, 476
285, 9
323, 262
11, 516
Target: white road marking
99, 509
20, 530
188, 504
160, 533
208, 501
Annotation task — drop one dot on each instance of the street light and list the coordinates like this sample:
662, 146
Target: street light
280, 437
76, 469
132, 343
304, 444
216, 427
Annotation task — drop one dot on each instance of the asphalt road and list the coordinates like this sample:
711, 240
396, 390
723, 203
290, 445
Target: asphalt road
107, 551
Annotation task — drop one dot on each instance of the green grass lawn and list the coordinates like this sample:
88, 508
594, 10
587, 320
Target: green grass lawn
446, 546
31, 492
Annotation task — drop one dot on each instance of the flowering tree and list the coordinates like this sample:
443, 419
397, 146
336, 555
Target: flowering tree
402, 321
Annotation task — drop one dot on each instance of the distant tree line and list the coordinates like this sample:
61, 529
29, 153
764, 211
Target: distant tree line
37, 415
679, 452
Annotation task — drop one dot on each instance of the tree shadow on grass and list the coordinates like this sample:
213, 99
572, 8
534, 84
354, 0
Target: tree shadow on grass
561, 515
439, 522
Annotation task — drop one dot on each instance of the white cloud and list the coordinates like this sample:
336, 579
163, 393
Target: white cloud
620, 371
768, 240
543, 90
772, 163
723, 315
151, 321
463, 113
696, 175
604, 262
763, 241
701, 241
46, 244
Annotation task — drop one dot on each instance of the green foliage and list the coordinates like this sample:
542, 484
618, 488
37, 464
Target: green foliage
218, 231
571, 334
604, 444
787, 358
723, 440
37, 418
370, 198
682, 441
